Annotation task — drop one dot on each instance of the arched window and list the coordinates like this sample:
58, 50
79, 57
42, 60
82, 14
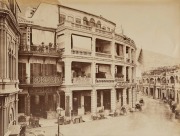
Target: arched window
147, 80
85, 21
92, 22
158, 80
163, 80
152, 81
172, 79
98, 24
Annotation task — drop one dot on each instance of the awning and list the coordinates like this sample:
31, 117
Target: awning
14, 130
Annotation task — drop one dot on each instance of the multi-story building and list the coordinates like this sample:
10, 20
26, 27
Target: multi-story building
162, 82
9, 42
97, 65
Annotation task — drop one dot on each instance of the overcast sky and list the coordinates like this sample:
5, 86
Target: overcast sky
153, 25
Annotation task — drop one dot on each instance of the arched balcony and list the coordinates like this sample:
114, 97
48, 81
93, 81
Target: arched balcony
92, 22
172, 80
98, 24
85, 21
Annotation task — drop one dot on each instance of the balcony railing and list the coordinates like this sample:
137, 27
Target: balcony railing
119, 79
119, 58
80, 26
78, 52
38, 50
82, 80
104, 55
104, 80
42, 80
46, 80
103, 32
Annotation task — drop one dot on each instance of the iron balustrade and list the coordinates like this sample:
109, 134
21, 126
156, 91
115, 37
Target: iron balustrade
104, 80
79, 52
39, 50
119, 58
104, 55
46, 80
82, 80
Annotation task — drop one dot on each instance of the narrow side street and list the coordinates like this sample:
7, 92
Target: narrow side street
156, 119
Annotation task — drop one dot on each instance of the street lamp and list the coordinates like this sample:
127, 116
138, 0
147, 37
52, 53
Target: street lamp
59, 115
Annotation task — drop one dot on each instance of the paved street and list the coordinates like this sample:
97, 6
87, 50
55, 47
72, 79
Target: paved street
155, 120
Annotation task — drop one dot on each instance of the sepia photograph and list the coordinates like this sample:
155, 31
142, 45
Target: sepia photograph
89, 67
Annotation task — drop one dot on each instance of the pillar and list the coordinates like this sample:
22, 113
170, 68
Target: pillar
113, 71
93, 72
175, 95
130, 74
93, 101
93, 46
27, 104
68, 75
124, 72
130, 97
28, 73
102, 98
113, 49
124, 52
124, 96
67, 43
113, 99
68, 102
82, 101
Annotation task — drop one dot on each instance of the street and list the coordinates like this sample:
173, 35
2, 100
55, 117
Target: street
155, 120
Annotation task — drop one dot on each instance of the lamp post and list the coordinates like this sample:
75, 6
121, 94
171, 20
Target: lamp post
59, 114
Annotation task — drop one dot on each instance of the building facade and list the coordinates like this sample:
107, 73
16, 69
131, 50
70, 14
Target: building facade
75, 60
162, 82
9, 42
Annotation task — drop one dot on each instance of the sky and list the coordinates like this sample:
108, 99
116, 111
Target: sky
153, 24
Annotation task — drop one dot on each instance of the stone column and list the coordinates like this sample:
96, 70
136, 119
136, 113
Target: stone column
82, 101
101, 98
113, 71
124, 72
130, 74
68, 75
93, 101
67, 43
113, 49
130, 54
124, 52
28, 73
113, 99
124, 96
93, 46
27, 104
68, 102
130, 97
93, 72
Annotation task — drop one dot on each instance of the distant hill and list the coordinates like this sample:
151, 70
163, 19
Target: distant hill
147, 60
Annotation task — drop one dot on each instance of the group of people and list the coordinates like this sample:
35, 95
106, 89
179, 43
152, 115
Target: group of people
172, 104
138, 106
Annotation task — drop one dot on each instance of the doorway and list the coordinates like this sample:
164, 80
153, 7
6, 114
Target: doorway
87, 103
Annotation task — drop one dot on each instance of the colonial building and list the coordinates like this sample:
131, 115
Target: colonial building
96, 65
9, 42
162, 82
